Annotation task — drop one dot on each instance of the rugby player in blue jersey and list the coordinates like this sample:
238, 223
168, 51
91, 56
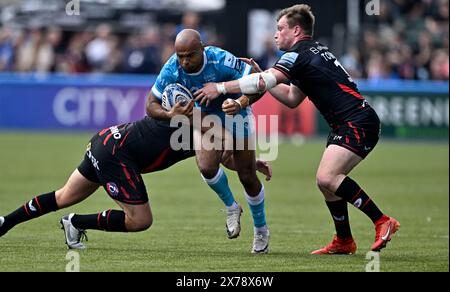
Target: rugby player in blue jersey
192, 65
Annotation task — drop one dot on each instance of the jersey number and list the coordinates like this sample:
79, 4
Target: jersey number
329, 56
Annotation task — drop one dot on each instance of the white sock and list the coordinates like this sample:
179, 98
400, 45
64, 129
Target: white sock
234, 206
263, 229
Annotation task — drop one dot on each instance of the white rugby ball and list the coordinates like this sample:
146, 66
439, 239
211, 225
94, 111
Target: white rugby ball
173, 93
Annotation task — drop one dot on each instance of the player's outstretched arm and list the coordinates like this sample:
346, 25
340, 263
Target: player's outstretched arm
250, 84
289, 95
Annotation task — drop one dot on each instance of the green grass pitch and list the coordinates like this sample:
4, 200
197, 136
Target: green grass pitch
407, 180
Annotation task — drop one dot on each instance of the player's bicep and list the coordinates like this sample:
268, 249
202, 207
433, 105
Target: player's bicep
280, 76
153, 104
164, 78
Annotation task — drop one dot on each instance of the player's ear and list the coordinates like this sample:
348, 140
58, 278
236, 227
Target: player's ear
298, 30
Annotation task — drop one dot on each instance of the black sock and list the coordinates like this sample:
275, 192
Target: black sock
36, 207
339, 213
350, 191
110, 220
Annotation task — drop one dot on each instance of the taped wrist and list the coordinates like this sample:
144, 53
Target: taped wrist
250, 84
221, 88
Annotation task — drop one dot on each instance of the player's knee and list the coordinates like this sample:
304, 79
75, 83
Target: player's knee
144, 225
208, 171
139, 224
325, 181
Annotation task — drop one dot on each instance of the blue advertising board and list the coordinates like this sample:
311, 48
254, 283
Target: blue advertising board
71, 102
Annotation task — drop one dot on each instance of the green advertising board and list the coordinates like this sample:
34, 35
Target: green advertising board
417, 110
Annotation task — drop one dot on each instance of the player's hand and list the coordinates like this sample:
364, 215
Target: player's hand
230, 107
206, 94
264, 168
251, 62
178, 109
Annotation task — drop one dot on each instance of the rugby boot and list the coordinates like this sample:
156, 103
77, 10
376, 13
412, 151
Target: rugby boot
338, 246
73, 235
261, 242
385, 228
233, 225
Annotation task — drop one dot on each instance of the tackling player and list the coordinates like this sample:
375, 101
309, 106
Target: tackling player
313, 71
193, 65
115, 159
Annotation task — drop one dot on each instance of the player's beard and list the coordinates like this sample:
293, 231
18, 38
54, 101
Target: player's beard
192, 69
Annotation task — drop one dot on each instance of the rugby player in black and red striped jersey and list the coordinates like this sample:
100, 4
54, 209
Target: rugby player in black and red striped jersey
115, 159
313, 71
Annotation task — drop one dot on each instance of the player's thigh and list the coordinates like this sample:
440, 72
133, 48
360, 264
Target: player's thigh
76, 189
337, 160
245, 161
205, 157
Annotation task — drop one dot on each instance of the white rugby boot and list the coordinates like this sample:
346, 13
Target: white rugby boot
261, 242
73, 235
233, 224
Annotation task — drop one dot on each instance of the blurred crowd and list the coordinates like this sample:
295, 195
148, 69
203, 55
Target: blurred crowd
96, 49
408, 40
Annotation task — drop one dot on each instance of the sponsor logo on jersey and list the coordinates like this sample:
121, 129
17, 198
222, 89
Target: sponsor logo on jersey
230, 60
94, 160
115, 132
288, 59
112, 189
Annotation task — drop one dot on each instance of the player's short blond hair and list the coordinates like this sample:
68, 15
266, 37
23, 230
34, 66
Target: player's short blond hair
301, 15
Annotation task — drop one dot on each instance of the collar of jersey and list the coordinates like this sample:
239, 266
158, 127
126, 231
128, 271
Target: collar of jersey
300, 42
205, 61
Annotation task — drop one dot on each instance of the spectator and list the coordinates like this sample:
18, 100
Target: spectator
49, 50
28, 46
191, 19
142, 54
6, 49
98, 50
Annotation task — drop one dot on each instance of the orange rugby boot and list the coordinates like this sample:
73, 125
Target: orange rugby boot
385, 228
338, 246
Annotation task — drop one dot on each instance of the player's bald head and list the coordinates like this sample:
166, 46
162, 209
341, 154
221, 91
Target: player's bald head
188, 39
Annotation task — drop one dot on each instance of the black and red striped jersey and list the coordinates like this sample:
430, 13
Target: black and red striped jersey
315, 70
146, 142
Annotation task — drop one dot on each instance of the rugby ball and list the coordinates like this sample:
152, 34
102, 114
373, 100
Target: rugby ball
173, 93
